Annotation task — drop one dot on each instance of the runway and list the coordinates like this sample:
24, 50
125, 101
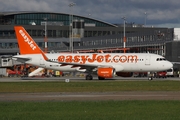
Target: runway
163, 95
80, 79
88, 96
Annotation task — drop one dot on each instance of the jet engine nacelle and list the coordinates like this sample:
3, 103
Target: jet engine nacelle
106, 72
124, 74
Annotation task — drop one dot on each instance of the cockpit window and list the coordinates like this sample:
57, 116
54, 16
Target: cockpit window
160, 59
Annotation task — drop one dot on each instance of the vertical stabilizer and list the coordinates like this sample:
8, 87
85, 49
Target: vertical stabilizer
26, 44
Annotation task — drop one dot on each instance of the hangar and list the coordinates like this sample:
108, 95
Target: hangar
66, 33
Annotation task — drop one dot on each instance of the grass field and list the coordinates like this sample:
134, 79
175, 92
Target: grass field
89, 86
90, 110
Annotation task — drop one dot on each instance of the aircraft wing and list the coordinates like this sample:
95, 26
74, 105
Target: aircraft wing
87, 67
83, 66
21, 59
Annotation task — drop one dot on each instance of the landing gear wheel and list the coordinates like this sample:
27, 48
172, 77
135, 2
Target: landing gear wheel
101, 78
89, 77
150, 78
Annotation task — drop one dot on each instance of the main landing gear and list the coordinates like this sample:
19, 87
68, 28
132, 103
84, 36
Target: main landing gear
89, 77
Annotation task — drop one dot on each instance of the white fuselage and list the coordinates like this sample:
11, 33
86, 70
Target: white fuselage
121, 62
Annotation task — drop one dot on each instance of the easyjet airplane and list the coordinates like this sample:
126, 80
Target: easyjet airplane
105, 65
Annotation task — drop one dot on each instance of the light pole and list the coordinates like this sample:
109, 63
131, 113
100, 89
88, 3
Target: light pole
45, 36
145, 18
71, 28
124, 39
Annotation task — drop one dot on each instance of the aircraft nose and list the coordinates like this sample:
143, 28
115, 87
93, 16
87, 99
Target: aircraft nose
169, 65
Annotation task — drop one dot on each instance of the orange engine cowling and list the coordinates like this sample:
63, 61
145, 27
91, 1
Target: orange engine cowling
124, 74
106, 72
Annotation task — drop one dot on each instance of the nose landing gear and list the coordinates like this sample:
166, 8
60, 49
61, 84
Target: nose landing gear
150, 76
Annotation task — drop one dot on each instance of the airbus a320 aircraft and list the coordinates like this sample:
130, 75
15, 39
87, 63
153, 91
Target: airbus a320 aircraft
105, 65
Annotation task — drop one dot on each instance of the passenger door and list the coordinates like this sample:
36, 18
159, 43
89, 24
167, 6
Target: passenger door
41, 61
147, 60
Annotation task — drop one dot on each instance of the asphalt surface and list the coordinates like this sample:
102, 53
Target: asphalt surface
87, 96
80, 79
90, 96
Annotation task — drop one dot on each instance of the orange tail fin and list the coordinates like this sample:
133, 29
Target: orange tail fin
26, 44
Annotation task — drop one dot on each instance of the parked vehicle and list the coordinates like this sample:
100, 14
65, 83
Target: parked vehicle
12, 73
161, 74
3, 72
170, 72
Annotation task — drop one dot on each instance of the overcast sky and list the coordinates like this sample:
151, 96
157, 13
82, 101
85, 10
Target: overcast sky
163, 13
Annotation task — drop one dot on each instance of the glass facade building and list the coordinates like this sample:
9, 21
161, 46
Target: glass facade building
87, 33
27, 18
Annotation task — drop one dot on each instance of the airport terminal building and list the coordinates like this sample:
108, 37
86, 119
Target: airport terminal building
67, 32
